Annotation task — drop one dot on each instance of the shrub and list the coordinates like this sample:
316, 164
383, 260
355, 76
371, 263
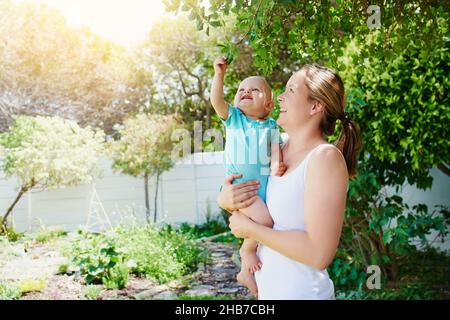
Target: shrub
150, 257
45, 235
9, 233
399, 101
187, 252
62, 268
214, 224
162, 255
159, 254
92, 292
380, 229
9, 291
100, 260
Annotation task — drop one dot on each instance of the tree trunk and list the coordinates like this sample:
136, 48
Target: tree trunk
147, 205
22, 191
156, 197
208, 116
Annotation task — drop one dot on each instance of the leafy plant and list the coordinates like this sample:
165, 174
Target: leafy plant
45, 235
150, 257
9, 291
380, 229
159, 254
62, 268
9, 233
214, 224
189, 253
346, 273
92, 292
100, 260
117, 277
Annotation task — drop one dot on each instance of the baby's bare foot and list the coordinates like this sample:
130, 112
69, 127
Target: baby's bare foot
250, 261
247, 280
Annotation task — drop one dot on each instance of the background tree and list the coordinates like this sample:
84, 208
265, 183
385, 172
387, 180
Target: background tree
143, 149
47, 153
50, 68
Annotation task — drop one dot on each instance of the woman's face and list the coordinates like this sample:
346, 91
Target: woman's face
294, 103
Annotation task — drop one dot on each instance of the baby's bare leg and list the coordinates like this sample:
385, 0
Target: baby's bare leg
259, 213
249, 260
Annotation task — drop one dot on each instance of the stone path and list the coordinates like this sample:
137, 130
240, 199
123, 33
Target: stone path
219, 276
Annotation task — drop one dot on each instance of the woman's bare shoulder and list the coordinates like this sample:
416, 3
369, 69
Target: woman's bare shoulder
328, 158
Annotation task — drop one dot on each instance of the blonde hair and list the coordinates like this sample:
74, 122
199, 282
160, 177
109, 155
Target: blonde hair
326, 86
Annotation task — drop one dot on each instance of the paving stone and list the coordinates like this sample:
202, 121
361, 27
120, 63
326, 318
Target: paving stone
166, 295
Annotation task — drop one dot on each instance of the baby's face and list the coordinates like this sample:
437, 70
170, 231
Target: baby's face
254, 98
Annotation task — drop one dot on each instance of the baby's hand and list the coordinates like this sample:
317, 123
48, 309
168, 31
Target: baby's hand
278, 169
220, 65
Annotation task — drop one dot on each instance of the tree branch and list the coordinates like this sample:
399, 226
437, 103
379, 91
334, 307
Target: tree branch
444, 168
183, 86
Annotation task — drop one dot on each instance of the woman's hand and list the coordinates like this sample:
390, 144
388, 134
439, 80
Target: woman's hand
237, 196
240, 225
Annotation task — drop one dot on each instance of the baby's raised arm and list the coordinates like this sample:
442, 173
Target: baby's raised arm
217, 99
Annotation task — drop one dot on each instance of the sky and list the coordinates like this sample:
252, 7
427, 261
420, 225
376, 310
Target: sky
125, 22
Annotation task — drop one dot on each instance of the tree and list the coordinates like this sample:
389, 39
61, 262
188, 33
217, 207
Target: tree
50, 68
404, 37
311, 30
400, 103
144, 149
49, 152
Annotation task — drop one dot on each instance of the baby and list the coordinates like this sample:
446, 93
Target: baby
253, 142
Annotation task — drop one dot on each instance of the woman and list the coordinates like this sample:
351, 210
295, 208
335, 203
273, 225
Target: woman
306, 203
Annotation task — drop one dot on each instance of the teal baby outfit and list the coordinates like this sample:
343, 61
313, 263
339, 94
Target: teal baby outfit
248, 147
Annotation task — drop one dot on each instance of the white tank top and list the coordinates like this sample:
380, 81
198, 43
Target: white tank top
281, 277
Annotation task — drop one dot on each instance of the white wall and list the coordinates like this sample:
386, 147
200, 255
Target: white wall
439, 194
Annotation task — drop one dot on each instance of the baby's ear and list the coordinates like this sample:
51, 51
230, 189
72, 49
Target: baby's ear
270, 104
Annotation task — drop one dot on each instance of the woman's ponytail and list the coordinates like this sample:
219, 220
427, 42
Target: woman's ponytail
349, 143
326, 86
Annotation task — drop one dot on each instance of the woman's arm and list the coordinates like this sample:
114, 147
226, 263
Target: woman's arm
325, 197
